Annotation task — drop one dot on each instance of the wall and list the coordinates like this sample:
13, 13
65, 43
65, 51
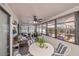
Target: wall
13, 17
55, 42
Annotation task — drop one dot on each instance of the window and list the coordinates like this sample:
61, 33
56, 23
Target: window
26, 28
44, 28
39, 29
51, 28
31, 28
66, 28
62, 28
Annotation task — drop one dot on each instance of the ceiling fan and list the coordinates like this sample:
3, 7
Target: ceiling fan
37, 20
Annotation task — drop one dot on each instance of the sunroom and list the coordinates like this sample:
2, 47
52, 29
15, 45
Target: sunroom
39, 29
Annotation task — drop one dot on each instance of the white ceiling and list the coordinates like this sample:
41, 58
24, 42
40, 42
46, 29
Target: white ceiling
26, 11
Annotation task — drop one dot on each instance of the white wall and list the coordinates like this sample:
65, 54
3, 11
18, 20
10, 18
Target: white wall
55, 42
13, 17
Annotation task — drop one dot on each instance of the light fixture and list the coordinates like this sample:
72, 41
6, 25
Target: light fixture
35, 20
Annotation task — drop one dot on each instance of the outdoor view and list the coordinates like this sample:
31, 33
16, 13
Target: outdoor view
66, 29
27, 28
39, 29
44, 28
51, 28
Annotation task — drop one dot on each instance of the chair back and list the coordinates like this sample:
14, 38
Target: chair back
63, 49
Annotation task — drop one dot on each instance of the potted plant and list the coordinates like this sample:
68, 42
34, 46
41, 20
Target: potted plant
40, 41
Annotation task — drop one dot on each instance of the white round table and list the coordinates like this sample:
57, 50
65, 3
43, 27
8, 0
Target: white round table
35, 50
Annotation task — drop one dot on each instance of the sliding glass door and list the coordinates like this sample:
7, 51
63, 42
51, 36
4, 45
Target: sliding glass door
4, 33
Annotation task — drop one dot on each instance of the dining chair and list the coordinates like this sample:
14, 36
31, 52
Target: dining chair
30, 42
62, 50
